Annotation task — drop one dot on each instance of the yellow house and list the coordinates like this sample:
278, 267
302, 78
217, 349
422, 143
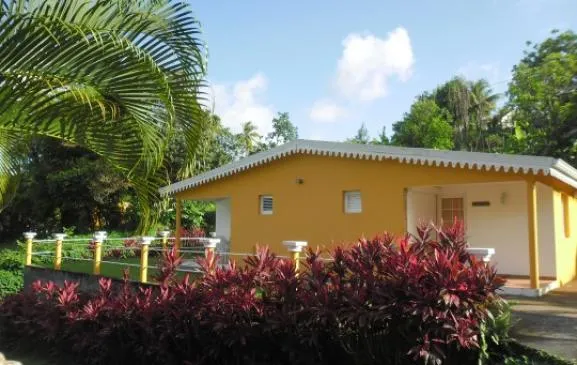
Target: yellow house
327, 193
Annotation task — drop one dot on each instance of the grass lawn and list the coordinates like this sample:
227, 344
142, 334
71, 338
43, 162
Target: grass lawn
113, 270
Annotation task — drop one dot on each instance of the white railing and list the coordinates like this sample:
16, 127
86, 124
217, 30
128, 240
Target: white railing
102, 251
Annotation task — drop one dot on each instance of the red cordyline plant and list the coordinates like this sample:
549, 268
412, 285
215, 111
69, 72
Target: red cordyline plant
167, 267
397, 301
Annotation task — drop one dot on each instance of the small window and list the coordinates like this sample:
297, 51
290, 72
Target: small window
265, 204
451, 209
353, 202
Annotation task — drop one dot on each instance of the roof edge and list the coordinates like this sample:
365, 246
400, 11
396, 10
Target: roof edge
557, 168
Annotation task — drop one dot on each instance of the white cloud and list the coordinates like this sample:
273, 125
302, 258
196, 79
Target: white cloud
326, 111
242, 102
369, 62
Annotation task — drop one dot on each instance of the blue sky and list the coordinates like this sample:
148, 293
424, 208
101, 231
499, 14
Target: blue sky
336, 64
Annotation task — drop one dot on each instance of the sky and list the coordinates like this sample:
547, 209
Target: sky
335, 64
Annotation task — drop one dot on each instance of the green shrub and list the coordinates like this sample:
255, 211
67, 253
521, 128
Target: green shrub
10, 282
11, 260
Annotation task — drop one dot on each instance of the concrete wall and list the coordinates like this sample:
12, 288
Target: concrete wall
501, 225
223, 219
546, 217
566, 246
421, 208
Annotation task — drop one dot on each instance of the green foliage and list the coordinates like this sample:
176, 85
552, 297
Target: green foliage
11, 260
517, 354
249, 138
362, 136
68, 186
283, 131
543, 95
197, 214
382, 139
495, 330
116, 78
10, 282
426, 125
11, 264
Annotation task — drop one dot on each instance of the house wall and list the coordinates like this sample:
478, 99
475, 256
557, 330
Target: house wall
421, 208
566, 247
502, 225
223, 219
546, 230
313, 211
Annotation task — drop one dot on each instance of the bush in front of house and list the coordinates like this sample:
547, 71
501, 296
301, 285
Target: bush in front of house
381, 301
11, 264
10, 282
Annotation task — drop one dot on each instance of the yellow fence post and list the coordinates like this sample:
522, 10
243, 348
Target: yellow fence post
29, 236
178, 232
295, 248
58, 258
164, 235
145, 242
99, 237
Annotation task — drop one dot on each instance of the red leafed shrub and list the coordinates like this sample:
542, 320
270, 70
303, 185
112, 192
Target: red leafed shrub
191, 233
132, 247
380, 301
167, 267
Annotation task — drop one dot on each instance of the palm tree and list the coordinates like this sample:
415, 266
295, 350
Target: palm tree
116, 77
483, 105
483, 101
249, 137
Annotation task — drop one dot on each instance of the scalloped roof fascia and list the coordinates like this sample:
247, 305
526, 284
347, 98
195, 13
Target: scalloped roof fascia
557, 168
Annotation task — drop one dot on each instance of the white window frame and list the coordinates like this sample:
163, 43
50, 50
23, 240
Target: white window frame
261, 204
347, 195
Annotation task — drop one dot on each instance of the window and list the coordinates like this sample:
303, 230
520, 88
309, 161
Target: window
566, 216
353, 202
451, 209
266, 204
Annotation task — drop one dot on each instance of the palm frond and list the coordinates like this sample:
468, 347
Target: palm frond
115, 77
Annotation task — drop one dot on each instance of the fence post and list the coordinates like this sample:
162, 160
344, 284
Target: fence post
58, 258
29, 236
164, 235
295, 248
99, 237
145, 242
210, 245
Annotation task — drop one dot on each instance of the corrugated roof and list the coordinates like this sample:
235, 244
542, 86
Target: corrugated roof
557, 168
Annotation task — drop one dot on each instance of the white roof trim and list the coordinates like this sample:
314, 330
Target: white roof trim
534, 165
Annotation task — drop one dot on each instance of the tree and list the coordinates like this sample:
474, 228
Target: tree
483, 106
543, 97
426, 125
470, 105
283, 131
382, 139
362, 136
65, 186
454, 97
249, 138
117, 78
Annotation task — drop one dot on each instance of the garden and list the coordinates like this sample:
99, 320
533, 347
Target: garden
118, 254
408, 300
102, 102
